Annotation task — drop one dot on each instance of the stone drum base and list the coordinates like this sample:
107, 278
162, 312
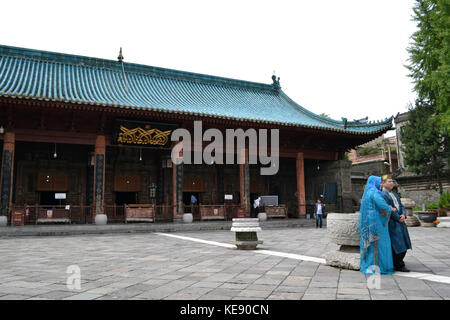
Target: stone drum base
343, 230
347, 257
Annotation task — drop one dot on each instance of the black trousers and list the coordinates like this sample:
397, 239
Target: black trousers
318, 217
398, 259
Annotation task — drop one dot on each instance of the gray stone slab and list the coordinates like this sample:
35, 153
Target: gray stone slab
319, 297
83, 296
55, 295
387, 297
341, 296
15, 297
291, 289
322, 284
149, 266
206, 284
353, 291
321, 291
255, 293
281, 295
423, 298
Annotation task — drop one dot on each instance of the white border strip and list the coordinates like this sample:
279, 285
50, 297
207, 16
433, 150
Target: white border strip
232, 246
291, 256
424, 276
214, 243
416, 275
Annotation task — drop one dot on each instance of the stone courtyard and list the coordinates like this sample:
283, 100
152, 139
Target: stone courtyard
176, 266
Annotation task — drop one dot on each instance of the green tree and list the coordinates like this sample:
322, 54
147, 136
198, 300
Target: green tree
426, 147
430, 56
426, 136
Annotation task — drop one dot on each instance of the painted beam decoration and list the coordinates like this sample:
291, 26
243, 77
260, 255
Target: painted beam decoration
142, 133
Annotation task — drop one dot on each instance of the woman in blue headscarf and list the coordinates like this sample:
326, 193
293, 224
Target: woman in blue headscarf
375, 243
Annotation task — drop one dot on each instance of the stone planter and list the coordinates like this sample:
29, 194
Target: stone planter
101, 219
3, 221
343, 230
411, 219
188, 218
246, 233
426, 218
444, 222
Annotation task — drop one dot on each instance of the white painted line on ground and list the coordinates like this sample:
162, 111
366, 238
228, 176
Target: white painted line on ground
290, 256
424, 276
232, 246
416, 275
214, 243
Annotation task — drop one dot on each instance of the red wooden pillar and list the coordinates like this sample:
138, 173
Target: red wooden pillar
244, 182
177, 187
7, 171
301, 199
99, 175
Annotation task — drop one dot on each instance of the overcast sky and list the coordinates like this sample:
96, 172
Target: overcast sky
344, 58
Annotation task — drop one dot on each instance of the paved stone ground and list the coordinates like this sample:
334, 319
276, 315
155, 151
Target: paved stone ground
152, 266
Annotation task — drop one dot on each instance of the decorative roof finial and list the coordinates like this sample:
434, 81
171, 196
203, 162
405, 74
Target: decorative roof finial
120, 57
276, 82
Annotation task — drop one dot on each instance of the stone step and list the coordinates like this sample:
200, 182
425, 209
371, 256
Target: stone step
64, 230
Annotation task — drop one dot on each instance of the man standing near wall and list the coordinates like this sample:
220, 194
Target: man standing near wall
398, 230
318, 212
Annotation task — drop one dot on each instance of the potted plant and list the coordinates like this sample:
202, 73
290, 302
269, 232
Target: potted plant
431, 206
429, 215
444, 204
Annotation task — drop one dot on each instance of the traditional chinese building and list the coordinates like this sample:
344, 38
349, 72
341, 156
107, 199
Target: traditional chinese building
83, 136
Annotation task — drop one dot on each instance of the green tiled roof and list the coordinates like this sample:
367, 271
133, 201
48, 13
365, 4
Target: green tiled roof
49, 76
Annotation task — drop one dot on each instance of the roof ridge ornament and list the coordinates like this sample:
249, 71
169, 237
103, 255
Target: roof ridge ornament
276, 82
362, 120
120, 57
124, 79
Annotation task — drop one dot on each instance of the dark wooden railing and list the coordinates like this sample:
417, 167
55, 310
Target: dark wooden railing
80, 214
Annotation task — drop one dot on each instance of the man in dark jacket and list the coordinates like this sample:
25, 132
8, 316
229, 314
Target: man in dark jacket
319, 209
398, 230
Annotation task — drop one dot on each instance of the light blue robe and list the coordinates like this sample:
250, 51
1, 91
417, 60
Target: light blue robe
375, 242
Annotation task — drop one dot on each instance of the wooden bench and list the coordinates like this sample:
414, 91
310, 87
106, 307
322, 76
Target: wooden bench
276, 211
139, 213
212, 212
57, 215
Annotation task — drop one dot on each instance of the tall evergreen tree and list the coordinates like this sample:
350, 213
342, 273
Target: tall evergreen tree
426, 136
430, 56
426, 148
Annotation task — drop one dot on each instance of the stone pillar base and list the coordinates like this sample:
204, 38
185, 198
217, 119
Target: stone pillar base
188, 218
3, 221
347, 257
262, 216
101, 219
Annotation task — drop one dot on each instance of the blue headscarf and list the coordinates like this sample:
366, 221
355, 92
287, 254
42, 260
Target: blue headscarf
368, 215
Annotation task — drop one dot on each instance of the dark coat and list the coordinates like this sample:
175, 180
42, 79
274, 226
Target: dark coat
398, 231
323, 208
